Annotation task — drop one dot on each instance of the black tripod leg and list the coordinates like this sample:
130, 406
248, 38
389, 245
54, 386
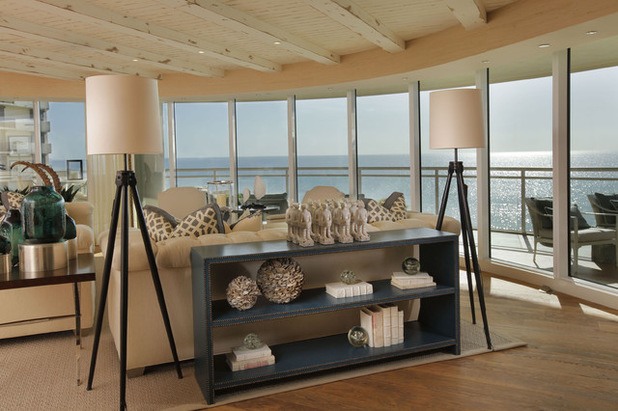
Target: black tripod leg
124, 295
467, 258
109, 254
475, 261
444, 201
155, 276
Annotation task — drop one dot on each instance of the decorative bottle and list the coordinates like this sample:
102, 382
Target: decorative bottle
11, 229
43, 215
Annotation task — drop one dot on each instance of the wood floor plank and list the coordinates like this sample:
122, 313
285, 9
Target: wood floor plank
570, 363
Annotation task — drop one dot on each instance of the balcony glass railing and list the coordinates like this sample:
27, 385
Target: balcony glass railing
508, 209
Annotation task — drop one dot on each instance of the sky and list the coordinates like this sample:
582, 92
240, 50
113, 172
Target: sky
520, 120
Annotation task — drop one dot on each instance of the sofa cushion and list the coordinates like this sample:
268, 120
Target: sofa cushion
160, 223
396, 203
206, 220
251, 222
376, 212
392, 209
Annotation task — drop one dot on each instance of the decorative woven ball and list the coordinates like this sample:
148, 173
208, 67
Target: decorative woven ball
242, 293
280, 280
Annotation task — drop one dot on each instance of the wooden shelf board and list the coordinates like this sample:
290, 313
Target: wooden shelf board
316, 300
328, 353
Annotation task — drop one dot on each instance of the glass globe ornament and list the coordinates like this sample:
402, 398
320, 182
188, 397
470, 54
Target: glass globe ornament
252, 341
411, 266
348, 277
357, 336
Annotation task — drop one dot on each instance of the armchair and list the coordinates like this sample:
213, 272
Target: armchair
581, 233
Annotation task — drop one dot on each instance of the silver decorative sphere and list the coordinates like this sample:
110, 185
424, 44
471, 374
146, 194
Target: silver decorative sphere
411, 265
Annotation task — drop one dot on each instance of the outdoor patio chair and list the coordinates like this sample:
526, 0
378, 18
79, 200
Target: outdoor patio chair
582, 234
603, 208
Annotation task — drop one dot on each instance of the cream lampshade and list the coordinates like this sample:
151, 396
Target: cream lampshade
456, 119
122, 115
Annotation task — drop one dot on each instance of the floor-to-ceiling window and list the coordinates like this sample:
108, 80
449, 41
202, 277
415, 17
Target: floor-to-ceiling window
202, 143
383, 145
520, 125
322, 144
594, 170
262, 146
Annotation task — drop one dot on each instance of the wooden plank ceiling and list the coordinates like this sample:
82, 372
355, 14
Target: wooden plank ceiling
73, 39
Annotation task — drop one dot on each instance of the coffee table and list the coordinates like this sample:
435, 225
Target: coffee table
78, 270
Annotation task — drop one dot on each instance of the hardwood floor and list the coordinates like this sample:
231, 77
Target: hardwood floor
570, 363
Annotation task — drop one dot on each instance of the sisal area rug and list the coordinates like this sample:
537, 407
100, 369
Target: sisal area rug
39, 373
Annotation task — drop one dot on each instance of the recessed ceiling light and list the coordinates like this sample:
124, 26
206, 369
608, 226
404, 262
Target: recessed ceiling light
200, 52
277, 43
404, 78
484, 61
591, 32
135, 59
544, 45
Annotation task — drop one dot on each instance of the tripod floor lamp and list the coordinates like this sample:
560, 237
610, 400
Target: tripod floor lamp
456, 121
122, 117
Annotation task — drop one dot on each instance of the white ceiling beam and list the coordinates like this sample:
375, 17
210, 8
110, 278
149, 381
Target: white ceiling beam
39, 32
72, 61
358, 20
26, 65
82, 11
229, 17
470, 13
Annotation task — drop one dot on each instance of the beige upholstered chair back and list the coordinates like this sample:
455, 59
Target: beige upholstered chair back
320, 193
181, 201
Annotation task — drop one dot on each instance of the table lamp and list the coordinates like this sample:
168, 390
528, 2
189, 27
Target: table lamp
456, 121
122, 117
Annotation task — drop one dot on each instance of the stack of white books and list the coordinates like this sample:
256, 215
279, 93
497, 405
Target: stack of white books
243, 358
342, 290
383, 323
405, 281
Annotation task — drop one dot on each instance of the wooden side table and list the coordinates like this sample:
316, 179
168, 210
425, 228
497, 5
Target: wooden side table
78, 270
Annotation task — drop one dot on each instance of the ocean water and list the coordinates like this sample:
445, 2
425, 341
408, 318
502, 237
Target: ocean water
506, 184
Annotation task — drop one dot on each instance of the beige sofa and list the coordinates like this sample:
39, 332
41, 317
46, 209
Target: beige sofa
35, 308
147, 343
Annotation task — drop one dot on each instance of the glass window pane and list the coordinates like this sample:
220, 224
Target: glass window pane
383, 145
262, 145
322, 144
521, 167
202, 143
16, 142
64, 143
593, 173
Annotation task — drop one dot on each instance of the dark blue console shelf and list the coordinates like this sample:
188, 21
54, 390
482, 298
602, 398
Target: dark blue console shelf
437, 327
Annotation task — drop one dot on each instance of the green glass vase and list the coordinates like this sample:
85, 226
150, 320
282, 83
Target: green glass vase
11, 229
43, 215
